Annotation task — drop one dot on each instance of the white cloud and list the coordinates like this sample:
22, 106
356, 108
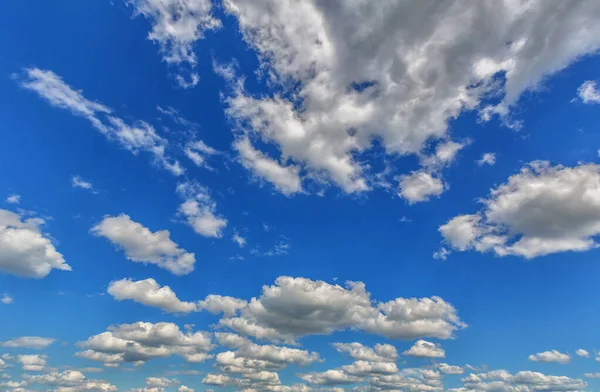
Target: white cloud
33, 362
285, 178
198, 152
540, 210
229, 306
582, 353
238, 239
588, 92
161, 382
69, 381
449, 369
420, 186
295, 307
25, 250
592, 375
550, 356
177, 25
380, 353
425, 349
391, 79
13, 199
488, 158
184, 388
29, 342
200, 210
142, 245
134, 138
6, 299
78, 182
150, 293
524, 381
142, 341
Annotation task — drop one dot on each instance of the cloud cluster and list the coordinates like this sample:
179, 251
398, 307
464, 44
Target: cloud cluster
142, 341
134, 138
142, 245
348, 73
425, 349
524, 381
543, 209
26, 251
69, 381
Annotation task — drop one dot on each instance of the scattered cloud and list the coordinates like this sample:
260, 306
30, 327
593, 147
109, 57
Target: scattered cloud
150, 293
78, 182
238, 239
588, 92
69, 380
6, 299
35, 342
550, 356
199, 210
526, 381
420, 186
489, 158
582, 353
198, 152
425, 349
141, 245
26, 251
32, 362
13, 199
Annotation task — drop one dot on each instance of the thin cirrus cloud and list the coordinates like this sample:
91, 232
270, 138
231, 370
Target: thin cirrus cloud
141, 245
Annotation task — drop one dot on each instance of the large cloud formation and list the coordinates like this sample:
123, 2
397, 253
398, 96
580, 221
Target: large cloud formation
351, 72
542, 209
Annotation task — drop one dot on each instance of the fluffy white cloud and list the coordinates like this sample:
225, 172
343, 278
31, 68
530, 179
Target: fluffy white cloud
160, 382
70, 381
425, 349
449, 369
420, 186
142, 341
380, 353
144, 246
550, 356
29, 342
238, 239
25, 250
582, 353
32, 362
177, 25
541, 210
330, 377
198, 152
150, 293
295, 307
184, 388
229, 306
588, 92
6, 299
200, 210
78, 182
138, 137
524, 381
13, 199
285, 178
488, 158
391, 79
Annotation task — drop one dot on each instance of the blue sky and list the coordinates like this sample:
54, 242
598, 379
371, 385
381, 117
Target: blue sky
299, 196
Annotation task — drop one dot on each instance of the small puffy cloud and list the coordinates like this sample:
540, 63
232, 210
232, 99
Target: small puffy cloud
198, 152
33, 362
425, 349
551, 356
177, 25
140, 136
142, 245
592, 375
229, 306
160, 382
295, 307
420, 186
285, 179
78, 182
526, 381
6, 299
449, 369
69, 381
13, 199
35, 342
488, 158
238, 239
380, 353
26, 251
150, 293
330, 377
142, 341
539, 211
199, 210
183, 388
588, 92
582, 353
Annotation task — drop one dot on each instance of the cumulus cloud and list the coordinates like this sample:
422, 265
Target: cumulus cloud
380, 353
525, 381
295, 307
285, 179
177, 25
389, 79
69, 381
142, 245
134, 138
543, 209
588, 92
582, 353
488, 158
142, 341
6, 299
449, 369
198, 152
199, 210
150, 293
229, 306
550, 356
13, 199
35, 342
420, 186
238, 239
425, 349
32, 362
26, 251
